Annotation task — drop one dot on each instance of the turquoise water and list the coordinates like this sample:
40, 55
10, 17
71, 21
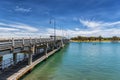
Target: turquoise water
81, 61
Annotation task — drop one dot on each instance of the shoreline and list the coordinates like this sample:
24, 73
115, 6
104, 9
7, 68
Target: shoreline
93, 41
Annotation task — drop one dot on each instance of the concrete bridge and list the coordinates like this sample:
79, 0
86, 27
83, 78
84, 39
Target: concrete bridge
31, 49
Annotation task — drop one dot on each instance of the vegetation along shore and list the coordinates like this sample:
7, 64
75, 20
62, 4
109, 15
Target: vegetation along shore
95, 39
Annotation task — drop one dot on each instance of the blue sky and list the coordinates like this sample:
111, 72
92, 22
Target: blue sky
21, 18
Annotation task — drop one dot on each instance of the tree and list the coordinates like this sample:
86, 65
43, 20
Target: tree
100, 38
115, 38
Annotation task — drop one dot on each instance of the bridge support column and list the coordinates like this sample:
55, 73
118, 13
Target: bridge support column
32, 51
62, 44
36, 51
53, 47
29, 58
15, 58
46, 50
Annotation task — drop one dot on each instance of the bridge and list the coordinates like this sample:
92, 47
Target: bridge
34, 50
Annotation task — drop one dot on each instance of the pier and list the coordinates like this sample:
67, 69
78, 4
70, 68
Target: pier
35, 50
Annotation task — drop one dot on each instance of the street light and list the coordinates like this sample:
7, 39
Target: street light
54, 26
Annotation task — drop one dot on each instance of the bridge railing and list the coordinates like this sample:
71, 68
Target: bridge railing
7, 44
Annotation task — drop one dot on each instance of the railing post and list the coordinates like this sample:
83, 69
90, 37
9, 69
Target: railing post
33, 49
13, 42
23, 41
36, 40
40, 38
30, 40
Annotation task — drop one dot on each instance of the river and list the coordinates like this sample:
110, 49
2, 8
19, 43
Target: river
80, 61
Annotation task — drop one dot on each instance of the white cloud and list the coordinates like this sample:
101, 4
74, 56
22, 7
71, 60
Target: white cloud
98, 24
91, 24
50, 31
20, 26
22, 9
3, 29
69, 32
77, 29
66, 33
16, 29
24, 27
111, 23
97, 28
94, 32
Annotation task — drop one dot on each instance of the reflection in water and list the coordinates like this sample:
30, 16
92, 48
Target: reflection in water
81, 61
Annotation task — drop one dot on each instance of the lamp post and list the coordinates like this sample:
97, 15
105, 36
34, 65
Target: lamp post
54, 26
52, 19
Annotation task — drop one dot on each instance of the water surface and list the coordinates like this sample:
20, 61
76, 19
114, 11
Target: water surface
81, 61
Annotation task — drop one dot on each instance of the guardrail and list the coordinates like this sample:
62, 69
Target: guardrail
7, 44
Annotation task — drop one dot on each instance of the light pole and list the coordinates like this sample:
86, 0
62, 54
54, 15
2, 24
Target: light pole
54, 26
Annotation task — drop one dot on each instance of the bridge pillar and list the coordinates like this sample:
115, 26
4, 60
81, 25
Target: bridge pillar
32, 51
15, 58
62, 44
29, 58
36, 50
46, 48
53, 47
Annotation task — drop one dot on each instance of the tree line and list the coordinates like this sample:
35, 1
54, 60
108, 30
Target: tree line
99, 38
